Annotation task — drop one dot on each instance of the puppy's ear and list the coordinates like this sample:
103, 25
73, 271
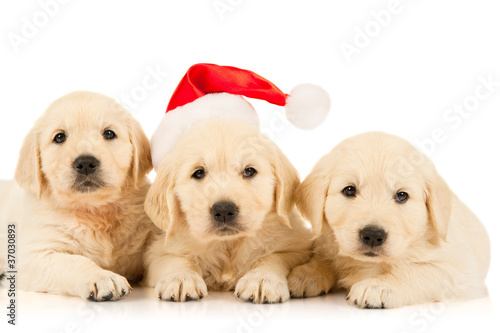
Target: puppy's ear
141, 158
160, 203
311, 194
29, 166
438, 202
287, 180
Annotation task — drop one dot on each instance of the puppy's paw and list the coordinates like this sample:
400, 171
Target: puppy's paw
181, 287
307, 281
259, 286
105, 286
372, 294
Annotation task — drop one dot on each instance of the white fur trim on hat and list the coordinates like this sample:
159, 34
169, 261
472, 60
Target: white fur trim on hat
211, 106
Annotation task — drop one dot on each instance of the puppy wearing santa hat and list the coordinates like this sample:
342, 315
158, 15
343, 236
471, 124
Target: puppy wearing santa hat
223, 193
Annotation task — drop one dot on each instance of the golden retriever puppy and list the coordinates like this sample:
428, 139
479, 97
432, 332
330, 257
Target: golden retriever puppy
224, 197
78, 204
390, 230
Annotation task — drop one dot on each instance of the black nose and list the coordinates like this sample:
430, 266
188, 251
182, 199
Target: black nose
372, 236
86, 165
224, 211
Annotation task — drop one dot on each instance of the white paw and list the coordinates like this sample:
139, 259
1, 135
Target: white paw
105, 286
259, 286
181, 287
372, 294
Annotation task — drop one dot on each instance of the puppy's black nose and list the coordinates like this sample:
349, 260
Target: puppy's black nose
86, 164
224, 211
372, 236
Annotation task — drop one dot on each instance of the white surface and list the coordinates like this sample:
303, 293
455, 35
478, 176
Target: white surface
222, 312
429, 57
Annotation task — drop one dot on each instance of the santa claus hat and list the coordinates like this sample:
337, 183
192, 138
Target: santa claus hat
210, 91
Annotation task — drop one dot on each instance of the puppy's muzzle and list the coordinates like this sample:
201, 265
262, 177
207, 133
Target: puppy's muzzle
224, 212
87, 174
372, 236
86, 165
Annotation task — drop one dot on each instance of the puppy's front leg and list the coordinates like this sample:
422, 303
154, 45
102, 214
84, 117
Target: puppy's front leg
176, 279
266, 281
316, 277
75, 275
405, 285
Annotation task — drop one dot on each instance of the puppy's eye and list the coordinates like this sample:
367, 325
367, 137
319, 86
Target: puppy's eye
60, 138
349, 191
249, 172
401, 197
109, 135
199, 174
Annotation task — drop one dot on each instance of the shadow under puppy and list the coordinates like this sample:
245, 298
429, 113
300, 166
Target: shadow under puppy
223, 195
389, 230
79, 199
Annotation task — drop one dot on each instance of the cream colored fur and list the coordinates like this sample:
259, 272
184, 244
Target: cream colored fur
71, 242
191, 258
436, 249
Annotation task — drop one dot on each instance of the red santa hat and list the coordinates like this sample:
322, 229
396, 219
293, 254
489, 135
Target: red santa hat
210, 91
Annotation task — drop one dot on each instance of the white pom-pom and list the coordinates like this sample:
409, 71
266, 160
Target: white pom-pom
307, 106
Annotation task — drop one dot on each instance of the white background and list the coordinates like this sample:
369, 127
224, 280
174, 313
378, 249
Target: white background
428, 57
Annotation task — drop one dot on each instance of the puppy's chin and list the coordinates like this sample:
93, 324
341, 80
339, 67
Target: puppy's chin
369, 256
227, 231
222, 234
87, 187
87, 184
204, 227
85, 195
360, 252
